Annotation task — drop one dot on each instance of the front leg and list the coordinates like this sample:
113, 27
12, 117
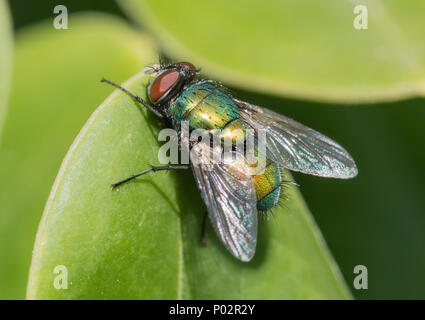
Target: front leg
135, 97
152, 169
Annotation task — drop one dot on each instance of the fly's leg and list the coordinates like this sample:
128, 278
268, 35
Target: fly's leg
203, 235
135, 97
152, 169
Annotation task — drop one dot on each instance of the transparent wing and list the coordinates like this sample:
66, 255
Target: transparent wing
297, 147
229, 195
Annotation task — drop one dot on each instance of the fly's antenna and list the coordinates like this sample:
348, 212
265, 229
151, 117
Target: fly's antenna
151, 69
135, 97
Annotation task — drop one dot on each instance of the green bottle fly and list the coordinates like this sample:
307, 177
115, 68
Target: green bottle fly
233, 190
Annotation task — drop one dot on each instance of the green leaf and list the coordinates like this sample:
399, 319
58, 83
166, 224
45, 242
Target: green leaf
56, 86
307, 49
5, 59
142, 241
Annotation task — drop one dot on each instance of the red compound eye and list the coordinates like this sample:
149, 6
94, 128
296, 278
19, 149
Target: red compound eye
187, 65
162, 83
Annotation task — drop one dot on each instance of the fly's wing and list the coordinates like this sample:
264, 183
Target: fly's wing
229, 195
297, 147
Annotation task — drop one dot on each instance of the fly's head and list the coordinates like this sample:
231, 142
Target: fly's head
169, 82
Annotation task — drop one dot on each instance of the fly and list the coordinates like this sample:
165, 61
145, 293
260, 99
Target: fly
232, 194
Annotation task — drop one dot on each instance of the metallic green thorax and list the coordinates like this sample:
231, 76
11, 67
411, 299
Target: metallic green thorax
207, 107
204, 106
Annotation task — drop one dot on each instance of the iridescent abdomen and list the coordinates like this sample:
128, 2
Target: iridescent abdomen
268, 187
206, 107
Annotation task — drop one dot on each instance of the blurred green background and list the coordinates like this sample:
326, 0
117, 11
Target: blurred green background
376, 219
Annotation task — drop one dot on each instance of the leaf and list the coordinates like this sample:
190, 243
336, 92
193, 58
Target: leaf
299, 48
5, 59
56, 86
142, 240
